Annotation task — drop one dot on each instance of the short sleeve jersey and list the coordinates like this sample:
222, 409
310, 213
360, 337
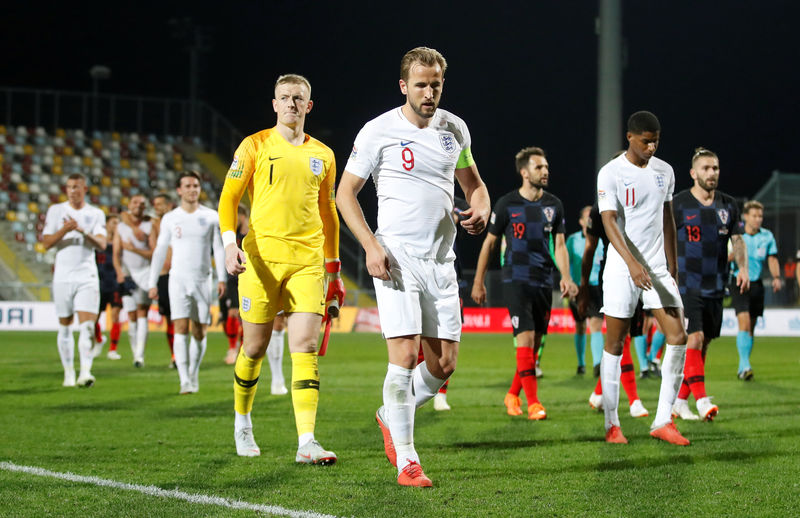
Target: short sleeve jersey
638, 195
105, 267
192, 237
529, 228
131, 261
75, 260
759, 246
703, 235
284, 183
413, 170
576, 243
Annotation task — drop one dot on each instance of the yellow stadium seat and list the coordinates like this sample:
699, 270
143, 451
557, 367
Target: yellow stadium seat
61, 133
115, 136
68, 151
58, 159
62, 198
106, 181
178, 166
2, 130
57, 169
87, 161
124, 201
23, 187
39, 247
97, 144
27, 149
33, 207
125, 163
150, 147
151, 156
203, 196
105, 209
124, 182
11, 215
94, 190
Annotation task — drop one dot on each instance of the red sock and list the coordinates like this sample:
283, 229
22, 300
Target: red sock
516, 385
526, 367
684, 392
443, 389
598, 389
627, 376
115, 328
98, 336
420, 356
232, 330
170, 335
661, 351
694, 373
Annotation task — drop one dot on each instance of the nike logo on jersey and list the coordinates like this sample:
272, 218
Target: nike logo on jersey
692, 216
627, 183
407, 142
275, 157
516, 214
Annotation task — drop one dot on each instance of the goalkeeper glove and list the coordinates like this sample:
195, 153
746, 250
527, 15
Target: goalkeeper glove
335, 286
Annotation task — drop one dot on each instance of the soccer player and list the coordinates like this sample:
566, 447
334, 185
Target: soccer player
532, 221
191, 231
576, 245
705, 219
749, 305
413, 153
634, 193
76, 229
110, 294
133, 248
162, 204
292, 248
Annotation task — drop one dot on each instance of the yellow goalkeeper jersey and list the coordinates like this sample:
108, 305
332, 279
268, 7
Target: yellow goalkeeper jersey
293, 216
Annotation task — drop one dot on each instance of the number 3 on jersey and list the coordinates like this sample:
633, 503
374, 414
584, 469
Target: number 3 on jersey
408, 158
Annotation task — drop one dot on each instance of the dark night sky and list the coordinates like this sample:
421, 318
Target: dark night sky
722, 74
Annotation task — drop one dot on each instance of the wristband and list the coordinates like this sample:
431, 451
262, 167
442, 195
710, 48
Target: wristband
333, 265
228, 238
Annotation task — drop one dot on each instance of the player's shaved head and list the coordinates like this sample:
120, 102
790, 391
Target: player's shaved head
293, 79
702, 152
77, 176
642, 122
424, 56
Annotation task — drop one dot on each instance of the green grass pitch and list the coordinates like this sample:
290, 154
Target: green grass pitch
133, 427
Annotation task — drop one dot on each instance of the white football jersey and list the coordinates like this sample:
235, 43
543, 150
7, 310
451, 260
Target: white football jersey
638, 195
413, 171
131, 261
75, 259
192, 236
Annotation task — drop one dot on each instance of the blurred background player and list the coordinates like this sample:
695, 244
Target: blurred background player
706, 219
191, 231
532, 221
576, 245
76, 229
110, 294
291, 249
634, 193
595, 239
133, 248
761, 248
229, 302
414, 154
162, 203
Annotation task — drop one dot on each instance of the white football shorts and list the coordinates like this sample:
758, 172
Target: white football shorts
73, 296
421, 298
190, 298
620, 294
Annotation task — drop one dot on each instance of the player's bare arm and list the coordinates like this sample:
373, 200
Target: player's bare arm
670, 240
477, 195
116, 258
127, 218
147, 253
347, 202
49, 240
641, 278
775, 271
567, 285
479, 283
740, 256
587, 261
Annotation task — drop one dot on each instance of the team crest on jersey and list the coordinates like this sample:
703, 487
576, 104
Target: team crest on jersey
601, 194
515, 322
316, 166
354, 153
660, 180
723, 216
235, 162
202, 221
549, 213
448, 143
245, 303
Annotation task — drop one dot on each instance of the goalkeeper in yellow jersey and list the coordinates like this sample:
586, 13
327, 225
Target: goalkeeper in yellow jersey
288, 260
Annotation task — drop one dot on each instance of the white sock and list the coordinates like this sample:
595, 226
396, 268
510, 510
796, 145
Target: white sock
240, 421
141, 337
197, 349
275, 357
398, 402
85, 344
671, 378
132, 335
305, 438
424, 384
181, 351
66, 347
610, 371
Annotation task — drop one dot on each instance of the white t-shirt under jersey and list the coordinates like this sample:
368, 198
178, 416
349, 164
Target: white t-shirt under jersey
131, 261
192, 237
638, 195
413, 171
75, 256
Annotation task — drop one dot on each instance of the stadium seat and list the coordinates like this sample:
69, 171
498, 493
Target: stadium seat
39, 248
19, 237
17, 226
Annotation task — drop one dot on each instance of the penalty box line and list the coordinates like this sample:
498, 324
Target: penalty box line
193, 498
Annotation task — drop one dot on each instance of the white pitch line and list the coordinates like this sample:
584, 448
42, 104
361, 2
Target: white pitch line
165, 493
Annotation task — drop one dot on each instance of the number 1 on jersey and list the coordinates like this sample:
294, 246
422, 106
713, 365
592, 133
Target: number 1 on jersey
408, 158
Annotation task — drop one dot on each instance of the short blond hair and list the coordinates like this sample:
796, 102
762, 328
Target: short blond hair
293, 79
753, 204
424, 56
